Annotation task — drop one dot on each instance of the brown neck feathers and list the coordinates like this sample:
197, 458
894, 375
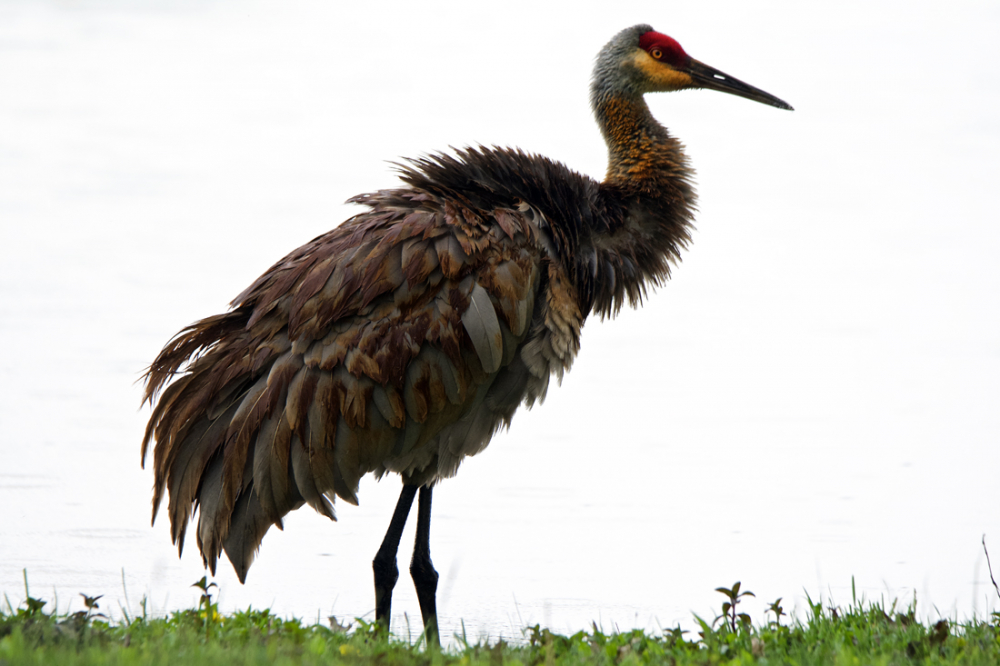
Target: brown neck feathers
642, 156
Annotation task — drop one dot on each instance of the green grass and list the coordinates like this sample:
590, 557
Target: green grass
863, 633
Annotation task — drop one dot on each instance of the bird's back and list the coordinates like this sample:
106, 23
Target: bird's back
398, 342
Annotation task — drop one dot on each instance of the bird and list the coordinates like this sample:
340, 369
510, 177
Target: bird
402, 340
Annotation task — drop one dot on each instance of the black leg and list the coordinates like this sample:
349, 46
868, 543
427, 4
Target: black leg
425, 578
384, 564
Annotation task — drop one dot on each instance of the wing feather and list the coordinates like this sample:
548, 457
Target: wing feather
480, 321
353, 354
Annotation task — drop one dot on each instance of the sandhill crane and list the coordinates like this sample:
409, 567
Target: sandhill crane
403, 339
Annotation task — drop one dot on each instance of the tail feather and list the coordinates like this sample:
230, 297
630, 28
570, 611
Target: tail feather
209, 502
186, 477
186, 346
305, 481
250, 522
270, 464
175, 413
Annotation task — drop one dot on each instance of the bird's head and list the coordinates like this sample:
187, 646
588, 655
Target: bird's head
640, 60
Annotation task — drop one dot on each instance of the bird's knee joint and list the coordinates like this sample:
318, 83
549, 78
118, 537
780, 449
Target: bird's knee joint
386, 572
423, 571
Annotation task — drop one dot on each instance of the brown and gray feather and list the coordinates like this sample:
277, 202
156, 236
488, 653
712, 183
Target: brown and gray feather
398, 342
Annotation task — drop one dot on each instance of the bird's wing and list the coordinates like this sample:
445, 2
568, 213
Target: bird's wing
348, 356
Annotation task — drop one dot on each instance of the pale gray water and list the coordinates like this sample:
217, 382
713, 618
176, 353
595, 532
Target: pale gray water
812, 397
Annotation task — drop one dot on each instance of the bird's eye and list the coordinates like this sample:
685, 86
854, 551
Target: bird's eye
656, 53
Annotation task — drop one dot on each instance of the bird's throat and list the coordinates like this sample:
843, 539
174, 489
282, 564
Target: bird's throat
642, 156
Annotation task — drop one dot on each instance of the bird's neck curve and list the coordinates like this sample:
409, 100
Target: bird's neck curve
642, 156
649, 184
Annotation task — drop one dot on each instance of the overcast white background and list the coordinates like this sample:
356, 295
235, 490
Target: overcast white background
813, 397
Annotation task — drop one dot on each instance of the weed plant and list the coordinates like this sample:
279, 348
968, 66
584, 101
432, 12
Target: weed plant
862, 633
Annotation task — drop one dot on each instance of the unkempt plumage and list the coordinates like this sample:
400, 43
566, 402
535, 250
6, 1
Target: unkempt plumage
402, 340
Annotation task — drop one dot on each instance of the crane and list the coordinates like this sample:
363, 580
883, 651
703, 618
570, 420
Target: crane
405, 338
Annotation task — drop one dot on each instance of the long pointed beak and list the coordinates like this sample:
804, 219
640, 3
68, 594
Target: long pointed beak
712, 79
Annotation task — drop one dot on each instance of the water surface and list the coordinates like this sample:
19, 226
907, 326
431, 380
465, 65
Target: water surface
813, 397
